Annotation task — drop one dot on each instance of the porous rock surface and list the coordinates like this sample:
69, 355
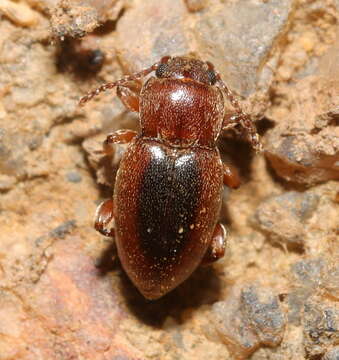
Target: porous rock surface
63, 293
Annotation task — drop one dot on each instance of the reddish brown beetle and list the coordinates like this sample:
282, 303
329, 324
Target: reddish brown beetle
167, 194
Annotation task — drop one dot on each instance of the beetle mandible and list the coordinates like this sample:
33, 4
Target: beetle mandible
168, 188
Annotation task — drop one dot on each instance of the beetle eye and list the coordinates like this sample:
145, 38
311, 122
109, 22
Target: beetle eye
211, 77
161, 70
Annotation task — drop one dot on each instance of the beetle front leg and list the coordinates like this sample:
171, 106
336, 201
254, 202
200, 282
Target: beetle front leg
240, 118
246, 127
217, 247
118, 137
103, 216
129, 98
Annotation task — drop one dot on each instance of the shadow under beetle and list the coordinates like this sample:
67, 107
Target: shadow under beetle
168, 189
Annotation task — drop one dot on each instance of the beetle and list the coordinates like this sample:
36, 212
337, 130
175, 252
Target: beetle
167, 194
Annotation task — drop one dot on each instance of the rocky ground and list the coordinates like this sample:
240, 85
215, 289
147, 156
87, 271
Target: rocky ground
63, 294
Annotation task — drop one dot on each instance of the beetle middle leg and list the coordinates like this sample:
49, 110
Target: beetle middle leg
103, 216
231, 177
216, 249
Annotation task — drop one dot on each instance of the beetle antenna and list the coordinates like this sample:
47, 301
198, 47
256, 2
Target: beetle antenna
241, 118
121, 82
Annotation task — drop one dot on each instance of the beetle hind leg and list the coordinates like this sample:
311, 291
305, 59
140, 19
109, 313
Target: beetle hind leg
103, 217
217, 247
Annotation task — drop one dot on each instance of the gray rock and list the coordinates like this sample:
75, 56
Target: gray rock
308, 275
332, 354
283, 217
321, 326
238, 38
309, 272
303, 147
29, 114
75, 19
262, 310
249, 318
296, 300
331, 282
162, 25
232, 35
62, 230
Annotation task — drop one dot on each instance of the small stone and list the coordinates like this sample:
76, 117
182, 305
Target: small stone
296, 300
162, 25
308, 41
7, 182
249, 318
74, 177
303, 147
196, 5
283, 217
311, 276
321, 326
238, 38
332, 354
330, 282
61, 231
72, 21
75, 19
263, 312
19, 13
309, 272
229, 323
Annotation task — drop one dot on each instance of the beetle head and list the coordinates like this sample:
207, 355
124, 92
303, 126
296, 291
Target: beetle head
186, 68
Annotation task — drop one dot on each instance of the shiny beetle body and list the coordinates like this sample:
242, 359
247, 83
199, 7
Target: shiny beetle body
167, 194
167, 203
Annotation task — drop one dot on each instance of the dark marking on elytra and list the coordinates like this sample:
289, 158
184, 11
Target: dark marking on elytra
168, 199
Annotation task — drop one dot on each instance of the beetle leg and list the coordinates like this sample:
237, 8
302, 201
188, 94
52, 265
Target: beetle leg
240, 118
231, 177
118, 137
246, 127
103, 216
129, 98
216, 249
